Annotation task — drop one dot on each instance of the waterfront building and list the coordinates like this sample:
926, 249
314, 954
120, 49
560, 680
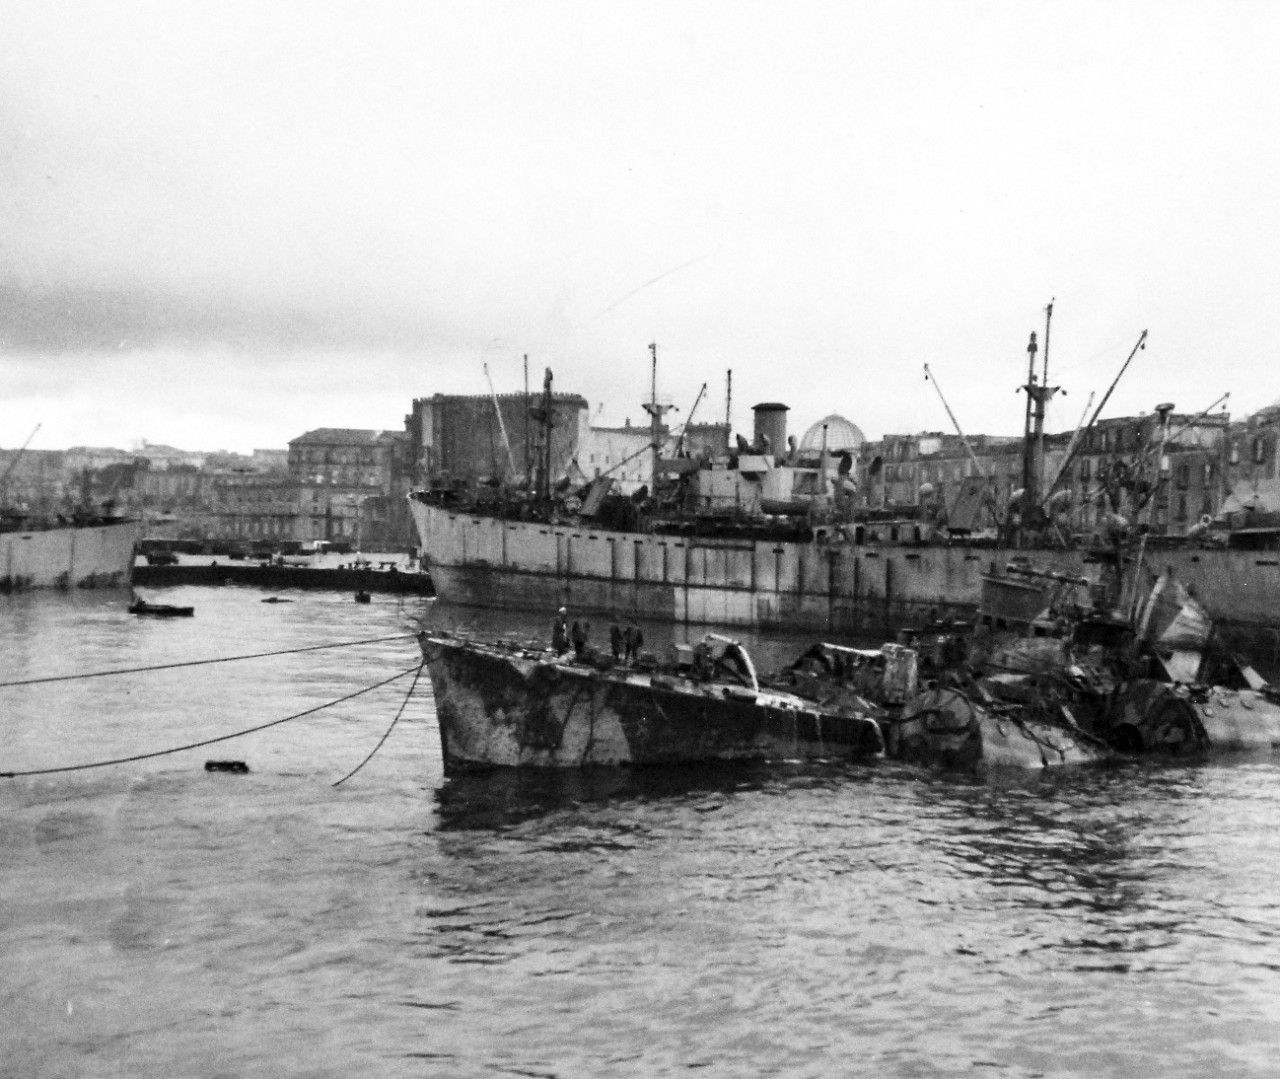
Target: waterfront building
489, 439
1168, 472
252, 507
625, 453
1173, 474
35, 482
341, 456
1251, 471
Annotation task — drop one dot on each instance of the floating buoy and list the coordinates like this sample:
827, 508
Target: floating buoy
239, 767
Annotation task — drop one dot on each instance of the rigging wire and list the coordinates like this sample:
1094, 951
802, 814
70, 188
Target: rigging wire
387, 734
203, 662
211, 741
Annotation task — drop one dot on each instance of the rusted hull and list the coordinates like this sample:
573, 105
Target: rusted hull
508, 710
97, 556
813, 586
943, 727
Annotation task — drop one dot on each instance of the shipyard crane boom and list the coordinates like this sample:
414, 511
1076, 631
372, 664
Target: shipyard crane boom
1166, 438
1199, 416
1142, 343
18, 456
511, 457
1071, 449
1066, 461
689, 419
977, 465
929, 376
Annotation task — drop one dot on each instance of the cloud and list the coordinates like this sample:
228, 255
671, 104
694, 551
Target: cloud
881, 186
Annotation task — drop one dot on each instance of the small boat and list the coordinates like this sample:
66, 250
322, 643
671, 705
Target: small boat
363, 597
503, 704
160, 610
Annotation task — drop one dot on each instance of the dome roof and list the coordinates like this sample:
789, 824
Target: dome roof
841, 435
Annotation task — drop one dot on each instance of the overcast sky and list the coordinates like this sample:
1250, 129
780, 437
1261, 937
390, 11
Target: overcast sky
227, 223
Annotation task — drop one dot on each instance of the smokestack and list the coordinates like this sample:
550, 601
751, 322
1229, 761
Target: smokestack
771, 427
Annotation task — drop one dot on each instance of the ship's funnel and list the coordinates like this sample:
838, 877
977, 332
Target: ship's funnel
771, 428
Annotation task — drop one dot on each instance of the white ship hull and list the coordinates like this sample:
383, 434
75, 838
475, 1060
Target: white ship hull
89, 556
813, 586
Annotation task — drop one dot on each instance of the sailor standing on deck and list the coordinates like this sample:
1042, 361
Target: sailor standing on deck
633, 641
578, 635
560, 633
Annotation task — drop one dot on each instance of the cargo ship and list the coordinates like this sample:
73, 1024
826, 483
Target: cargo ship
766, 539
821, 582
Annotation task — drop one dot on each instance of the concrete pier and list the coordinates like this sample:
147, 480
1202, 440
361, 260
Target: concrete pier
275, 578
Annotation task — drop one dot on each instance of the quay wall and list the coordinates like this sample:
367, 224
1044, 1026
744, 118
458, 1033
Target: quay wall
281, 577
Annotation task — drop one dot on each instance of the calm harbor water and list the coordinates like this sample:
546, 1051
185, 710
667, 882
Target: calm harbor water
160, 920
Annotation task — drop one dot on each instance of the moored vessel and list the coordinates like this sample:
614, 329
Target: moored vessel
506, 705
93, 553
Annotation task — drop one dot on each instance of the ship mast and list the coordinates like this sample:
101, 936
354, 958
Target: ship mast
1038, 395
655, 411
545, 418
1040, 405
528, 466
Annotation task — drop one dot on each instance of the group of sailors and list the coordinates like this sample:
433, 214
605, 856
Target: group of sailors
625, 642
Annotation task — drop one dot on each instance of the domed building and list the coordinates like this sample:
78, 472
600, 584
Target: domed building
841, 435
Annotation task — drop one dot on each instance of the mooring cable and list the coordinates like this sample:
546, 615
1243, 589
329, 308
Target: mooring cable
205, 662
387, 734
208, 741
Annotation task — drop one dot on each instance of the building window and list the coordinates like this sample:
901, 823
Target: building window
1259, 450
1183, 476
1182, 507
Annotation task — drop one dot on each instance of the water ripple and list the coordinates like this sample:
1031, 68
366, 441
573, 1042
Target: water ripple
727, 921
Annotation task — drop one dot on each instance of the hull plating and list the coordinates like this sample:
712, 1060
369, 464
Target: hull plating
944, 727
508, 710
802, 586
99, 556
